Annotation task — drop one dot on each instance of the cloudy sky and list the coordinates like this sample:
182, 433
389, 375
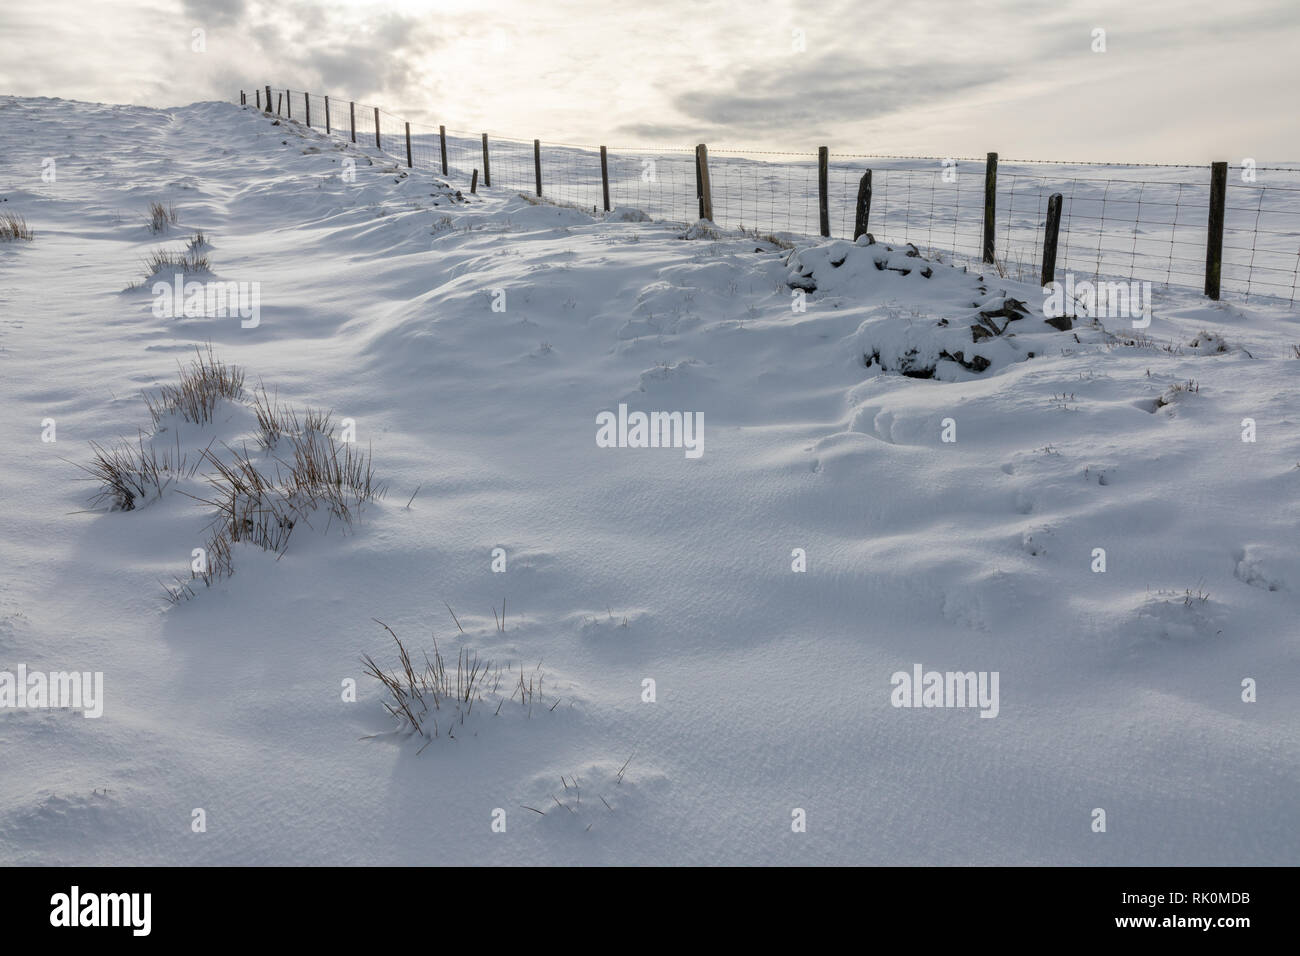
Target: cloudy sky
1179, 80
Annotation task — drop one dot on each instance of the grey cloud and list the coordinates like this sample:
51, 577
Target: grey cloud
828, 91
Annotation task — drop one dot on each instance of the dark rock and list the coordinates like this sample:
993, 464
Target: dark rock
977, 363
1061, 323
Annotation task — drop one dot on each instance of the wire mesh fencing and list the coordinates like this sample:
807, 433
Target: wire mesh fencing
1130, 221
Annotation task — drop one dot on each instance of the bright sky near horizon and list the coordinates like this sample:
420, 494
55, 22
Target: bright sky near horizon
1178, 81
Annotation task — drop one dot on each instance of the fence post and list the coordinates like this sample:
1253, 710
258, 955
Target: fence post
306, 99
487, 169
377, 143
279, 102
1214, 240
258, 99
864, 207
409, 164
702, 179
990, 203
268, 97
327, 115
699, 185
604, 176
823, 200
473, 182
241, 98
288, 99
442, 141
1049, 238
352, 115
537, 163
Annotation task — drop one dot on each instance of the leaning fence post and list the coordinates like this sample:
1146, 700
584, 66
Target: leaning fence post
442, 141
1049, 238
327, 114
409, 164
487, 169
352, 114
990, 203
823, 201
473, 182
702, 179
306, 99
268, 97
863, 212
537, 163
604, 176
1214, 240
377, 143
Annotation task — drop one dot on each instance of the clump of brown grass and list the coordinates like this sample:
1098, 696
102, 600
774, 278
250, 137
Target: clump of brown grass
435, 699
202, 386
274, 420
217, 564
161, 217
13, 226
189, 261
133, 474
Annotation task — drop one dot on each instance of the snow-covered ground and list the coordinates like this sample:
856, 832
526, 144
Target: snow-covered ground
473, 341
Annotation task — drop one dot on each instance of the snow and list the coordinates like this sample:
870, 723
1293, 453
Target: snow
1119, 690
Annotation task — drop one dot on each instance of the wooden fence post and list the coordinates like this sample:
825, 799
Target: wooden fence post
279, 102
487, 169
823, 200
537, 163
1049, 238
306, 99
327, 114
288, 99
258, 98
473, 182
990, 203
352, 115
702, 178
268, 97
377, 142
409, 164
1214, 239
864, 207
604, 176
442, 141
242, 101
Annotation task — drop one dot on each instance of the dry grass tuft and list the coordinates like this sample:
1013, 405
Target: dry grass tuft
203, 384
131, 475
192, 260
435, 699
13, 226
161, 217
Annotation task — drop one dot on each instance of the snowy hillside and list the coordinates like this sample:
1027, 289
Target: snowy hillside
897, 467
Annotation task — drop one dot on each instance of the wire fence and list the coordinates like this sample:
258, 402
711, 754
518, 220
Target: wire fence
1134, 221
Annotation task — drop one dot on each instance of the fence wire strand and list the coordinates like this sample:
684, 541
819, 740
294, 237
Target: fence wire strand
1128, 225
